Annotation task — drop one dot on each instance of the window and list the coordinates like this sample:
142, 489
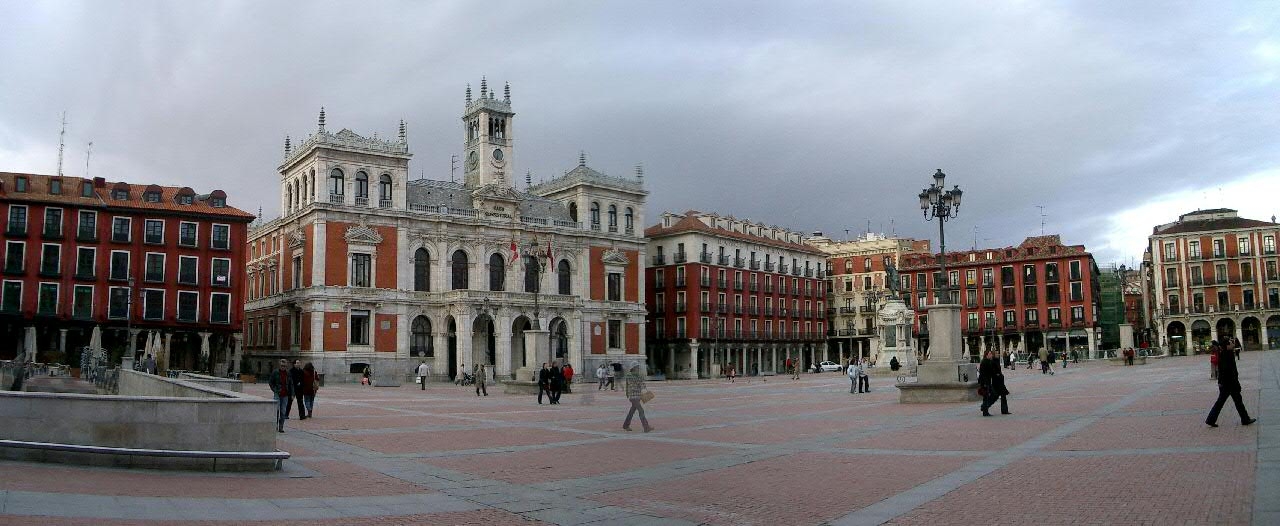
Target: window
1010, 318
220, 307
421, 270
562, 273
1028, 274
1244, 246
217, 202
20, 184
1077, 314
17, 220
55, 186
361, 270
1268, 245
615, 286
151, 197
297, 272
988, 277
118, 303
532, 274
88, 228
11, 297
53, 222
220, 272
595, 215
337, 185
1170, 252
971, 278
152, 304
188, 305
1219, 248
362, 185
1055, 315
86, 260
187, 271
82, 302
1050, 272
119, 265
498, 273
953, 278
188, 234
120, 227
154, 267
50, 260
359, 327
1075, 271
1032, 316
988, 297
120, 194
1053, 293
1029, 294
459, 267
47, 304
629, 223
153, 232
420, 339
1077, 291
615, 334
384, 190
221, 238
613, 218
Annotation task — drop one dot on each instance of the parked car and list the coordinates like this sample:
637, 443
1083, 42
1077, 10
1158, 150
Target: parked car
830, 366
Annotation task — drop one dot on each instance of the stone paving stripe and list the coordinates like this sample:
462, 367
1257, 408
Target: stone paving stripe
1266, 486
152, 508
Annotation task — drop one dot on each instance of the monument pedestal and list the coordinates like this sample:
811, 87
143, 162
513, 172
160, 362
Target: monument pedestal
946, 376
537, 350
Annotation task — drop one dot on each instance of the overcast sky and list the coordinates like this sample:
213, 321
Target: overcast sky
1113, 116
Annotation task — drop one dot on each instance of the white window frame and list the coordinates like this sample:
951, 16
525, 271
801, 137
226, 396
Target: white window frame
57, 293
195, 243
146, 263
213, 276
80, 221
127, 304
178, 307
21, 293
368, 331
212, 229
44, 222
178, 278
622, 333
146, 298
373, 267
26, 222
23, 244
128, 232
58, 246
92, 292
145, 224
93, 268
128, 263
213, 295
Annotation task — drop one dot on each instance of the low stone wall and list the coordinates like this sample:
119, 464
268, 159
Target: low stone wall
226, 384
151, 412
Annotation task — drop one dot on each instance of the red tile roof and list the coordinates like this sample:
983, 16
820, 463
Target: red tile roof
38, 191
1210, 225
691, 223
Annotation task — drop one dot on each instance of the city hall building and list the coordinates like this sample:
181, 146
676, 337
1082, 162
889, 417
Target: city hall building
369, 268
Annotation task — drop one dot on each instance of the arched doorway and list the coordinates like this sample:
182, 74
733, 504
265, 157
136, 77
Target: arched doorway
518, 358
420, 338
1200, 336
1273, 332
559, 339
452, 336
1177, 338
1252, 329
483, 344
1226, 329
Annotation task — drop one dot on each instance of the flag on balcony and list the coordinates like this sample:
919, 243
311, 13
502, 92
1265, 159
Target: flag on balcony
549, 256
515, 251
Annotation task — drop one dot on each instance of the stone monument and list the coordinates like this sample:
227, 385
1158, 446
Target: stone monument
946, 375
537, 350
895, 333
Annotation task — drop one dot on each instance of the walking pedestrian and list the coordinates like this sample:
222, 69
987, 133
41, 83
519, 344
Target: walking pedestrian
864, 382
1213, 362
635, 390
612, 373
1228, 387
480, 378
310, 385
367, 377
1044, 361
423, 372
991, 378
150, 364
282, 389
295, 376
568, 377
854, 372
557, 383
544, 382
600, 375
730, 372
1235, 346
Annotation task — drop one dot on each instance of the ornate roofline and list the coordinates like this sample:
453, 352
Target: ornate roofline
346, 140
584, 175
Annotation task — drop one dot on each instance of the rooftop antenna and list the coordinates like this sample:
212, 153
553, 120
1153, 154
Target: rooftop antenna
1041, 207
453, 164
893, 231
88, 152
975, 237
61, 141
846, 234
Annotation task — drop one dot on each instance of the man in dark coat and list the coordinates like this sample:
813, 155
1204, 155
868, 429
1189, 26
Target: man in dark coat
1228, 387
557, 383
544, 383
991, 378
282, 388
295, 376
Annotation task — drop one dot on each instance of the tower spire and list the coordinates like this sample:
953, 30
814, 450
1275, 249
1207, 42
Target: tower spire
404, 132
640, 173
506, 92
62, 135
528, 180
468, 94
288, 148
582, 158
484, 88
322, 119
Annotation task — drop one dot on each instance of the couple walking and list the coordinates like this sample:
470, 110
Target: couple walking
858, 375
991, 384
551, 381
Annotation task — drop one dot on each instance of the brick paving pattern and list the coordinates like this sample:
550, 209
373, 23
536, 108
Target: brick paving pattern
1094, 444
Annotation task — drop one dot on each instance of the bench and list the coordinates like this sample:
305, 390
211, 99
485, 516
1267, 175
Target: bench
277, 456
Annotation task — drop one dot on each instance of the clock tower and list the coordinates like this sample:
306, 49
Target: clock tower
487, 158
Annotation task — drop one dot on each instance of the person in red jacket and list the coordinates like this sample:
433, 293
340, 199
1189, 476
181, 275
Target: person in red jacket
282, 389
568, 378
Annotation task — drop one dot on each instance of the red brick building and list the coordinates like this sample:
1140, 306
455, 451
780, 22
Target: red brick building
732, 291
1020, 299
147, 264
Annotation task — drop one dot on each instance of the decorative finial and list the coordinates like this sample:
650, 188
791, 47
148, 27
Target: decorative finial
506, 92
468, 94
287, 147
640, 172
404, 131
322, 119
582, 158
528, 182
484, 88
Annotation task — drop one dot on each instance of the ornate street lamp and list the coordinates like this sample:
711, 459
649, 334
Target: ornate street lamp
537, 260
938, 202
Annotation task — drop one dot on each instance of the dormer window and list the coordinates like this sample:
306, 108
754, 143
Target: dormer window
218, 202
120, 194
151, 197
55, 186
186, 199
20, 184
86, 189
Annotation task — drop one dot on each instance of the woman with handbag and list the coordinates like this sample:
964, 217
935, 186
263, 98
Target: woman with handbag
637, 395
991, 385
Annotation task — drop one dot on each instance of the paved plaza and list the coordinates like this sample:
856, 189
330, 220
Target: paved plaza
1093, 444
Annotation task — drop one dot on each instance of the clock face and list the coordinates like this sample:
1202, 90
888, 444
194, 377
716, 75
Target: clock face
473, 161
497, 157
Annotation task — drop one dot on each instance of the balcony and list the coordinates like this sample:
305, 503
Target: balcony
16, 230
768, 311
753, 310
659, 285
630, 231
1197, 282
722, 283
87, 235
739, 262
706, 307
680, 282
680, 257
754, 287
808, 273
595, 226
705, 333
704, 281
659, 260
680, 334
613, 229
754, 265
52, 233
848, 310
768, 267
737, 285
867, 309
722, 261
337, 199
384, 203
768, 288
867, 331
782, 268
722, 308
796, 271
737, 309
705, 257
681, 308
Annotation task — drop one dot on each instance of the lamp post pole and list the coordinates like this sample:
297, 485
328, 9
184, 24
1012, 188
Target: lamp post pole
939, 203
532, 256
